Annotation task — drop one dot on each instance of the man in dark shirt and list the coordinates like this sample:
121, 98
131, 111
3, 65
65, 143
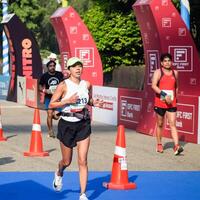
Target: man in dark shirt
47, 84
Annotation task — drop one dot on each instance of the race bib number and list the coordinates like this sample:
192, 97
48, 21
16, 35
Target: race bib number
81, 102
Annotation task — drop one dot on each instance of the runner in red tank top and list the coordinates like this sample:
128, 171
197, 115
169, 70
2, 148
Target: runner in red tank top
164, 84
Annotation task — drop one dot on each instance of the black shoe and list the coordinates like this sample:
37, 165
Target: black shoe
178, 149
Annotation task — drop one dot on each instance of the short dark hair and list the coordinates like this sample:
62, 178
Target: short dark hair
51, 61
165, 55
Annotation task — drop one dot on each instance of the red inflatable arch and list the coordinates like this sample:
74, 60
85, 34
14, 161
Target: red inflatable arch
163, 30
74, 39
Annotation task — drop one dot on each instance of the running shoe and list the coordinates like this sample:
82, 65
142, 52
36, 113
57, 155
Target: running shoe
159, 148
57, 182
178, 149
83, 197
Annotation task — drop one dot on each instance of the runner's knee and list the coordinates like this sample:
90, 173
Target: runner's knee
172, 124
66, 162
160, 124
82, 162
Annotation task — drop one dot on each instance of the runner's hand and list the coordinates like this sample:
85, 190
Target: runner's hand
168, 99
73, 98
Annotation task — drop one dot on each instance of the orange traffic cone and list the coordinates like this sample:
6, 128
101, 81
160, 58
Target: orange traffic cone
36, 146
2, 138
119, 178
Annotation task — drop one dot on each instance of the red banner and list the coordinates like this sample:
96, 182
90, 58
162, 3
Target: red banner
31, 92
129, 107
74, 39
187, 119
163, 30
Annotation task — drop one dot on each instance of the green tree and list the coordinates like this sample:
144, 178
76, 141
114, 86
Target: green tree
36, 15
117, 36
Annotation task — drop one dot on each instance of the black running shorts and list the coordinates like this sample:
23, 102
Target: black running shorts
162, 111
69, 133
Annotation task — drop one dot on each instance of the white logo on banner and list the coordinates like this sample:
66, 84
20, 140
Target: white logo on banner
85, 36
73, 30
123, 108
86, 55
152, 58
65, 56
173, 14
166, 22
193, 81
183, 57
180, 55
71, 14
164, 2
130, 109
182, 32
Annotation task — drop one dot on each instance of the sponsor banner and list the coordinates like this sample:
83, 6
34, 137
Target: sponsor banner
24, 53
74, 39
21, 90
129, 107
107, 114
182, 57
4, 85
31, 92
163, 30
86, 55
187, 119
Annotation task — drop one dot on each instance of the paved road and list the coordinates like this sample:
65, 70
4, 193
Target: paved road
141, 156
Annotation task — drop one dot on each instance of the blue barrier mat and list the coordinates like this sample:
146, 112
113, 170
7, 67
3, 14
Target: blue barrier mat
155, 185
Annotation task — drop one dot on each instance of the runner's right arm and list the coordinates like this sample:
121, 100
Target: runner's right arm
61, 90
155, 80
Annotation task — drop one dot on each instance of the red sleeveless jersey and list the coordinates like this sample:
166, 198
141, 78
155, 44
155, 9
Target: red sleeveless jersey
167, 83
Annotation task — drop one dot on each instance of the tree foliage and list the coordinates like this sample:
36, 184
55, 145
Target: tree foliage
117, 37
36, 15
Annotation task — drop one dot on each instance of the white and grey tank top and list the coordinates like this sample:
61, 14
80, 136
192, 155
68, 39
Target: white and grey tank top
82, 91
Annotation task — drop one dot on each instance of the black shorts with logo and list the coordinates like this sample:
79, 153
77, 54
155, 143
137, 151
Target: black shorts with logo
69, 133
162, 111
